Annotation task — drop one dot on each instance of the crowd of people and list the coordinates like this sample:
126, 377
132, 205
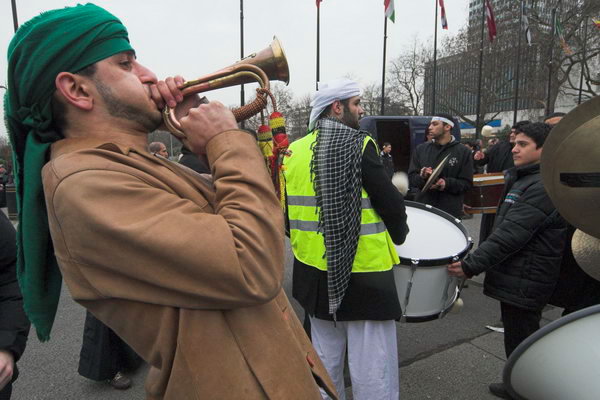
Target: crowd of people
193, 286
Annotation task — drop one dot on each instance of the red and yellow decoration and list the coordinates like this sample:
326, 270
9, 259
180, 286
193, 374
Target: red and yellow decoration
273, 143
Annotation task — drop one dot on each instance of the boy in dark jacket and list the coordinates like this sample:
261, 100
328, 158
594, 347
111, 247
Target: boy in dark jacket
447, 192
498, 159
521, 257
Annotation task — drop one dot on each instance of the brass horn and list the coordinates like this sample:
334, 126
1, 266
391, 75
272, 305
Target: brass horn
268, 64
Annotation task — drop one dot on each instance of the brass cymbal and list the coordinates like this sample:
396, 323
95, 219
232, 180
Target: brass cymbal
586, 250
570, 167
435, 174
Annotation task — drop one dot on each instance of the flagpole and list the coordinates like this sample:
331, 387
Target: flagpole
318, 45
242, 94
518, 62
584, 50
550, 62
14, 13
478, 109
385, 18
434, 59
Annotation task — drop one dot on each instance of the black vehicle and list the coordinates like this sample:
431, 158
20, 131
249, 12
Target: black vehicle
404, 133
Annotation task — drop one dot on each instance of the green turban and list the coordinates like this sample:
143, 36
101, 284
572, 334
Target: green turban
69, 40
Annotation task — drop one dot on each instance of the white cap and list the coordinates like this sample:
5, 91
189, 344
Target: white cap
339, 89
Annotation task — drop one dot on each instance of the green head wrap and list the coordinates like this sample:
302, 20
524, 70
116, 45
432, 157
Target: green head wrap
67, 39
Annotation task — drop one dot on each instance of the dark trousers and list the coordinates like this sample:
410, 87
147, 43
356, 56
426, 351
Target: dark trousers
519, 323
103, 353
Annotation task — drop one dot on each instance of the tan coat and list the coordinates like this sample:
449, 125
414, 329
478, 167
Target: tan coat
188, 272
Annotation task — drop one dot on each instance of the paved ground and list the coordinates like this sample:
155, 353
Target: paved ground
452, 358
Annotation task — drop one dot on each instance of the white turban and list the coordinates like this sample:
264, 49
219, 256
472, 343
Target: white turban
340, 89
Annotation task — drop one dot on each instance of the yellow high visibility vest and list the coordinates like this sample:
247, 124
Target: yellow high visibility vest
375, 252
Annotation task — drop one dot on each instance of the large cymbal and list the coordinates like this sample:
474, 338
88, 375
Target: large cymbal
435, 174
586, 250
570, 167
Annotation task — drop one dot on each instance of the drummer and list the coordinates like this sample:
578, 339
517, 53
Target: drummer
342, 243
522, 255
456, 177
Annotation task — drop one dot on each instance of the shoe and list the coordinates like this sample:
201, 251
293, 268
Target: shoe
120, 381
499, 390
497, 327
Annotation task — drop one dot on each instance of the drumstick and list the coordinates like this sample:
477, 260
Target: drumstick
458, 303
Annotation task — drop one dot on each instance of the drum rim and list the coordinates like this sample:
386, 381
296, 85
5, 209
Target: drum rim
436, 262
543, 331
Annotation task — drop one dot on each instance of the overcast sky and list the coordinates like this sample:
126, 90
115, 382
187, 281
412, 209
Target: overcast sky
196, 37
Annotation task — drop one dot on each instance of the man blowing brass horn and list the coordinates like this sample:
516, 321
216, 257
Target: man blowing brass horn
187, 272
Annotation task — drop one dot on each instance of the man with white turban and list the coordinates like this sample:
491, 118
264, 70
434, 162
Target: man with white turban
344, 217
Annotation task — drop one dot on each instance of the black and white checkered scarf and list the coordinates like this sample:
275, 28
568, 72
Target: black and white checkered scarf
336, 168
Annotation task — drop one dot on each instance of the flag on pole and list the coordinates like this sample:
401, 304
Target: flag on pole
444, 19
319, 3
558, 31
596, 22
491, 22
526, 25
389, 10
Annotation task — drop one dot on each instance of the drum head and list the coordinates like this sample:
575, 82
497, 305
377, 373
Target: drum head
435, 237
559, 361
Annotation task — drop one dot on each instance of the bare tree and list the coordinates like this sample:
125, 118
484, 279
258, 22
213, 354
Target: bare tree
286, 105
457, 81
407, 75
371, 101
298, 118
567, 63
457, 75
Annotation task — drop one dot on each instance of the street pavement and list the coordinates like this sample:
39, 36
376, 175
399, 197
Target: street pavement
453, 358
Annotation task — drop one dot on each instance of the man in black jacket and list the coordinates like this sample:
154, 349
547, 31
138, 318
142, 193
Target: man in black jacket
14, 325
456, 178
498, 159
191, 160
387, 160
521, 257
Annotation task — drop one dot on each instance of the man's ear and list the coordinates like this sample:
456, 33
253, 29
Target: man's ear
75, 90
337, 108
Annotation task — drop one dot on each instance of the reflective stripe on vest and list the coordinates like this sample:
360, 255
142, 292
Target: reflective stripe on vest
375, 251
